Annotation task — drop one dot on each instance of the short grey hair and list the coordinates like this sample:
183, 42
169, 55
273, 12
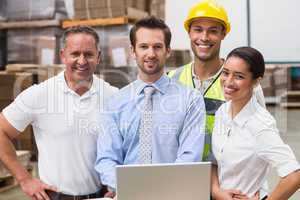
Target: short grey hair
79, 29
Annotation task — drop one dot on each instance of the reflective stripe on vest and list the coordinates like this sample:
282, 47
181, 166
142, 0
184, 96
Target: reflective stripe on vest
213, 99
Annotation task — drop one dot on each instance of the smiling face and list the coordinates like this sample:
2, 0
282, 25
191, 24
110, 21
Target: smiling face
237, 81
150, 52
206, 36
81, 56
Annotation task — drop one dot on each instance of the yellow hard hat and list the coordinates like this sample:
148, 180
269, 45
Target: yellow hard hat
209, 9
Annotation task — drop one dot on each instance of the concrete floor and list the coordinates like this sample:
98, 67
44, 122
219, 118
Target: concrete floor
287, 120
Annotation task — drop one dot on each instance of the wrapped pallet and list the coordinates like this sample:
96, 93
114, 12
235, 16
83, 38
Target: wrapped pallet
20, 10
33, 45
2, 10
115, 46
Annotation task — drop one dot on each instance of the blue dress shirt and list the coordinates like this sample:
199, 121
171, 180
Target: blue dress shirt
178, 127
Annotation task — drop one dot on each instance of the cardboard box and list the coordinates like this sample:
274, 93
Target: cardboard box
40, 72
4, 103
119, 77
11, 84
281, 77
178, 58
91, 9
267, 83
157, 8
287, 76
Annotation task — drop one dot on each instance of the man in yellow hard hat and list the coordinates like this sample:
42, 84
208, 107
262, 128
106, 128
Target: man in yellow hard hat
207, 25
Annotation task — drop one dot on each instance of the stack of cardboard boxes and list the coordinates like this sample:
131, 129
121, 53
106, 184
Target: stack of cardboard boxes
157, 8
267, 83
11, 84
281, 80
91, 9
286, 77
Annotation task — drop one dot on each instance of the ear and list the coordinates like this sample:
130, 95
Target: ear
223, 34
168, 52
99, 57
257, 82
62, 56
133, 51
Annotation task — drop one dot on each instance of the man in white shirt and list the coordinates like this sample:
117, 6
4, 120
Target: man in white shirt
64, 112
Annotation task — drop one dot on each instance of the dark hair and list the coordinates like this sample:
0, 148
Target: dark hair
151, 22
79, 29
253, 58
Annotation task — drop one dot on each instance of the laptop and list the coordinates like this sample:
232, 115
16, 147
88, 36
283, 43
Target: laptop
176, 181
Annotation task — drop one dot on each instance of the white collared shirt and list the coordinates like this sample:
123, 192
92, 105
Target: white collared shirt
66, 127
247, 146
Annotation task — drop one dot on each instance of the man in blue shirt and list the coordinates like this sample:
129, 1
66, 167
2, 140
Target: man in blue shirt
176, 118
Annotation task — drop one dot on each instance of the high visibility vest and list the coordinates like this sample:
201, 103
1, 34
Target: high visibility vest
213, 99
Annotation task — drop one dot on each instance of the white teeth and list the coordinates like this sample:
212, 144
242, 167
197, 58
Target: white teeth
203, 46
150, 62
81, 69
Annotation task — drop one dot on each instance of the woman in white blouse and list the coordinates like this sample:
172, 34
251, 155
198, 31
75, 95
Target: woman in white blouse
245, 140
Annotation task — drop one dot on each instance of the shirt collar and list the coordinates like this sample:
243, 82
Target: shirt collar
210, 78
160, 85
63, 82
247, 112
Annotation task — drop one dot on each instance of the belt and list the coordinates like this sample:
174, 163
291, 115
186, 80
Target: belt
265, 197
61, 196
